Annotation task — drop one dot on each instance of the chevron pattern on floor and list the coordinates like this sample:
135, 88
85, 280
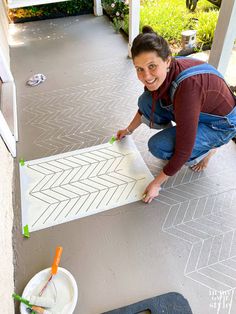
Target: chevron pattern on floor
77, 184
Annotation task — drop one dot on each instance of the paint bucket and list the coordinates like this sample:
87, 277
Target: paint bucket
63, 288
189, 39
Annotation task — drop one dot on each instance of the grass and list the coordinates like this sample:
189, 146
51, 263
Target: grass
170, 18
206, 26
165, 17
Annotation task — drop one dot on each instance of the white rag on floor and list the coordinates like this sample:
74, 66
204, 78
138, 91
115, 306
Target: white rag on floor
36, 79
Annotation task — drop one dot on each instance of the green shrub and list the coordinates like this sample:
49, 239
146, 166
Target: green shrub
206, 26
170, 18
126, 24
53, 9
117, 10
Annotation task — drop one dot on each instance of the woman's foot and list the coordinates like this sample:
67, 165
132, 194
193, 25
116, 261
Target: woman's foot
204, 162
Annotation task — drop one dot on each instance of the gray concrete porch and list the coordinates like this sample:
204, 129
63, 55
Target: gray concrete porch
184, 241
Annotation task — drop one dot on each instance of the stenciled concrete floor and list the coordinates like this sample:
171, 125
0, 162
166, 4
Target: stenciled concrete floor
184, 241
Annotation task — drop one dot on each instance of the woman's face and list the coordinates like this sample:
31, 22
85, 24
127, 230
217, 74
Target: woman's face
151, 69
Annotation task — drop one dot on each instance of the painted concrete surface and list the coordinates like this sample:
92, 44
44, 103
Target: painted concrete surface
230, 74
183, 241
6, 223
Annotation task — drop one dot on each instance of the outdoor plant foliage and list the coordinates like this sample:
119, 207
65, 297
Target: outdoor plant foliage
206, 26
117, 11
168, 18
66, 8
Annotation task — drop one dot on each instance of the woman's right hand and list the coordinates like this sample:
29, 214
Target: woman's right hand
121, 134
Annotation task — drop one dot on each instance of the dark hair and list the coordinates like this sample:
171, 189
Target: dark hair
148, 41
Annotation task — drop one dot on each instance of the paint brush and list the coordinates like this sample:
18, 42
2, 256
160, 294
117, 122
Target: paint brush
40, 310
54, 267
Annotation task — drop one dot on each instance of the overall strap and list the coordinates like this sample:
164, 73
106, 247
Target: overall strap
194, 70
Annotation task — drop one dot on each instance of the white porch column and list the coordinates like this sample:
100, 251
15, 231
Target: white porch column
225, 35
97, 8
134, 18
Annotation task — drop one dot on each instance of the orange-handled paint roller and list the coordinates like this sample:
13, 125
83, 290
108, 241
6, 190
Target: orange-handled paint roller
54, 267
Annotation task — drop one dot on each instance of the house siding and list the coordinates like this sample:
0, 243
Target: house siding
6, 190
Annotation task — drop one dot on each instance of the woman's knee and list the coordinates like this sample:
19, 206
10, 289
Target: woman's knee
161, 145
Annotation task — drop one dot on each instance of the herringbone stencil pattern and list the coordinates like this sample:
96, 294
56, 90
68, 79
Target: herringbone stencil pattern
81, 116
93, 95
87, 115
208, 223
73, 185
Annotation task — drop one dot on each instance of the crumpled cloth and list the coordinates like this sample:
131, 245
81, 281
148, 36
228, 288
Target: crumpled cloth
36, 79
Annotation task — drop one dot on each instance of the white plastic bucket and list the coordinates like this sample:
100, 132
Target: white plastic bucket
63, 282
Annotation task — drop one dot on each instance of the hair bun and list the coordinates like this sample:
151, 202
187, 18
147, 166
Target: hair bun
147, 29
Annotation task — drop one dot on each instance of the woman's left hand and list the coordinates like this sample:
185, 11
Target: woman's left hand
151, 191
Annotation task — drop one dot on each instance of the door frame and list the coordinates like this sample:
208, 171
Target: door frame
8, 98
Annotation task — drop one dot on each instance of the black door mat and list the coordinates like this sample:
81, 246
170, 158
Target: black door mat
169, 303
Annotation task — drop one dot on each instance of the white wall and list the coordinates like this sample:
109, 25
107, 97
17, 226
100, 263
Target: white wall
4, 30
6, 222
6, 188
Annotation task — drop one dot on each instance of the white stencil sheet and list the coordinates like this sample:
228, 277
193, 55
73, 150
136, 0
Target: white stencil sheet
72, 185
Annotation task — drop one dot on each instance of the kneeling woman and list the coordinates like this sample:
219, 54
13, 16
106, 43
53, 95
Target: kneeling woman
187, 91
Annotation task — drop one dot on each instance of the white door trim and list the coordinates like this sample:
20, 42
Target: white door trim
7, 135
8, 99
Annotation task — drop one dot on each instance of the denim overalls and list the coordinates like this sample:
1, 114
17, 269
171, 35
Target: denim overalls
213, 130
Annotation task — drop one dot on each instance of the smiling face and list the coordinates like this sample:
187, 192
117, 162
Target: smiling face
151, 69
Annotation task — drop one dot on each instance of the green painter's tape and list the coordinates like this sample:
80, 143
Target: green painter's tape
22, 300
26, 231
112, 140
22, 162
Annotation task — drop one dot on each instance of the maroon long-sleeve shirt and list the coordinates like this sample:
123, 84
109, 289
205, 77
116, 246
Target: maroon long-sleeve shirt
200, 93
